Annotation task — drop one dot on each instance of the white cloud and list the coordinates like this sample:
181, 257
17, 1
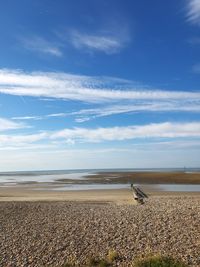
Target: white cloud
39, 44
159, 130
193, 11
83, 88
154, 130
108, 110
103, 42
144, 137
21, 140
144, 106
110, 95
6, 124
27, 118
41, 117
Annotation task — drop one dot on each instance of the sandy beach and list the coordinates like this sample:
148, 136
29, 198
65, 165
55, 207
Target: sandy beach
117, 196
121, 196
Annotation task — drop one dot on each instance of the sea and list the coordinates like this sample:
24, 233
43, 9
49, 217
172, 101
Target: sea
27, 178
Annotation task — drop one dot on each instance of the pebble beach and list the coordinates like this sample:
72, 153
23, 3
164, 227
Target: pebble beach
53, 233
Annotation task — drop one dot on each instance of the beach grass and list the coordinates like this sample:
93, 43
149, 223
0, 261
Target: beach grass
148, 261
158, 261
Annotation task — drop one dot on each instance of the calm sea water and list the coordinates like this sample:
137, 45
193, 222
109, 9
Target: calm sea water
15, 178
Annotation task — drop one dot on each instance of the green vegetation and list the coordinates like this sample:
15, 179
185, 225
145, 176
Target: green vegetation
158, 261
98, 262
150, 261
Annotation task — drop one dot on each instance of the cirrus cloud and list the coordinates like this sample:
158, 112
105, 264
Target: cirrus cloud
100, 42
82, 88
193, 11
41, 45
106, 95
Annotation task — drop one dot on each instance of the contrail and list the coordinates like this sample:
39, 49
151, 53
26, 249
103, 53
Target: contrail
22, 98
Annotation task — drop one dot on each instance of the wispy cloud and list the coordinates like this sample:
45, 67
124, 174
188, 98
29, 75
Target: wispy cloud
27, 118
193, 11
107, 96
41, 45
6, 124
107, 42
145, 106
19, 140
84, 115
82, 88
154, 130
41, 117
70, 135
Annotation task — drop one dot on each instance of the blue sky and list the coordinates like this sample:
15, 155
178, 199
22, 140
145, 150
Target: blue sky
99, 84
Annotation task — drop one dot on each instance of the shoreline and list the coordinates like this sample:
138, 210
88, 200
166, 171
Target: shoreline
118, 196
146, 177
55, 191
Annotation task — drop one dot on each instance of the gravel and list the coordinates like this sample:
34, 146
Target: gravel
53, 233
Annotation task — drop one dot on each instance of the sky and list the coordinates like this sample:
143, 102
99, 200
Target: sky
99, 84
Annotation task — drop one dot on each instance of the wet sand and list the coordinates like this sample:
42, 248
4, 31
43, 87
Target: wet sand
146, 177
29, 191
